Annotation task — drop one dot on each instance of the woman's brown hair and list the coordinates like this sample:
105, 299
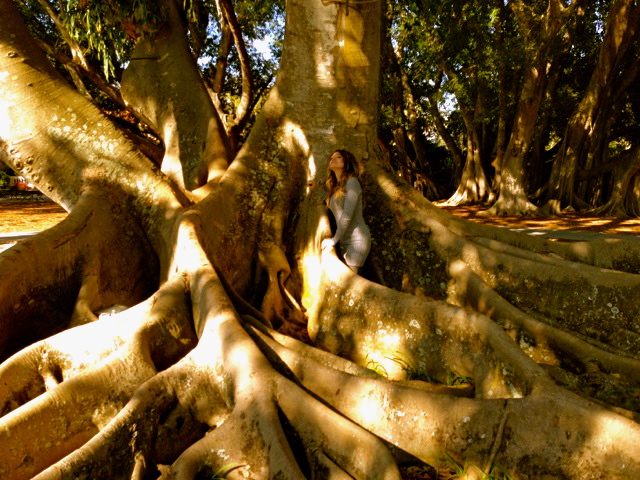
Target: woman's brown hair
351, 169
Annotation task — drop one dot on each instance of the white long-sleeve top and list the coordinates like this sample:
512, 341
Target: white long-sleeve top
351, 230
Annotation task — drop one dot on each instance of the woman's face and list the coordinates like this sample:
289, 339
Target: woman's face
336, 162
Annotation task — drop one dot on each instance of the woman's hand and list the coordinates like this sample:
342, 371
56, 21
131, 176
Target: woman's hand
327, 243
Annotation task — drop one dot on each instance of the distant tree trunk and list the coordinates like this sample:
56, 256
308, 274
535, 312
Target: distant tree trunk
497, 156
231, 27
415, 133
451, 144
582, 130
540, 38
632, 204
623, 174
409, 140
512, 197
537, 157
473, 186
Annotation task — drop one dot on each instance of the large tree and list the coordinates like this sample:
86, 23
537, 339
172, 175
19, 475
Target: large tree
538, 95
465, 345
589, 131
541, 24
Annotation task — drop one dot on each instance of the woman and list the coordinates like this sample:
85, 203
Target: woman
345, 202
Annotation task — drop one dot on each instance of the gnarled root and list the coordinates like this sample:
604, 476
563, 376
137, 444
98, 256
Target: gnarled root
71, 412
65, 266
541, 427
157, 424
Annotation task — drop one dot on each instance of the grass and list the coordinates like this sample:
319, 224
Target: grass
455, 379
412, 372
224, 470
461, 471
418, 373
377, 367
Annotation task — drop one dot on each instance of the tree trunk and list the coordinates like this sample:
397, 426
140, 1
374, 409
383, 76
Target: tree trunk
192, 381
447, 138
196, 145
408, 137
473, 187
497, 156
512, 197
622, 26
623, 174
540, 34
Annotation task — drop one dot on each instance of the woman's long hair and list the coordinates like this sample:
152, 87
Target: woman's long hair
351, 169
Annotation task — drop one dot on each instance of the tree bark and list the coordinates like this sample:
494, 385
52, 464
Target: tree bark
196, 145
540, 34
473, 187
622, 27
192, 380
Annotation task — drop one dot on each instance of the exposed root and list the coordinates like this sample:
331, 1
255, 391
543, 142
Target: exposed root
497, 443
251, 439
512, 204
159, 422
278, 430
473, 431
45, 364
479, 296
278, 305
620, 254
613, 208
328, 435
131, 444
88, 394
425, 336
62, 266
78, 407
578, 294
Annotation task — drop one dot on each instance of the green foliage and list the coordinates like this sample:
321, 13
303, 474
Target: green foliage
456, 379
376, 367
224, 471
459, 470
468, 59
413, 372
40, 23
106, 32
103, 30
4, 179
102, 27
262, 23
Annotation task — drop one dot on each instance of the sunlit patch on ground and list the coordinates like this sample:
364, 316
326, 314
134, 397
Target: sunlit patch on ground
569, 221
29, 216
33, 216
4, 246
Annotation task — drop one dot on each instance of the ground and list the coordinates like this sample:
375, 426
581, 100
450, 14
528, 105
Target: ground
570, 221
33, 213
29, 216
18, 215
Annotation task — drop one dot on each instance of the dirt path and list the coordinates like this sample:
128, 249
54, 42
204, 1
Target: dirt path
28, 216
570, 221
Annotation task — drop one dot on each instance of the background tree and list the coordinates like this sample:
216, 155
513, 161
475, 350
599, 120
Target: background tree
534, 60
589, 132
444, 51
156, 332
